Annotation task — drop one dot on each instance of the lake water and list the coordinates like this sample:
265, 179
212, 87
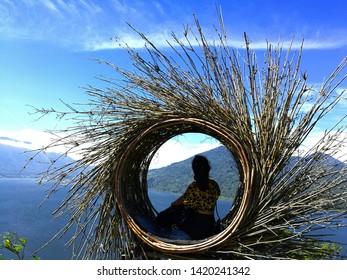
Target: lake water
20, 212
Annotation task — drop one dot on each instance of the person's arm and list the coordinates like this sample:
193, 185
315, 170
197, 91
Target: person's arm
178, 201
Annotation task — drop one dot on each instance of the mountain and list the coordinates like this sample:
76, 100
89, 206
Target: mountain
177, 176
13, 159
173, 178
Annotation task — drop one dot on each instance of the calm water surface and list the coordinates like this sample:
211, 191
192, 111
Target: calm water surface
20, 212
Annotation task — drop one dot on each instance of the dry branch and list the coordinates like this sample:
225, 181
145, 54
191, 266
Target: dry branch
257, 110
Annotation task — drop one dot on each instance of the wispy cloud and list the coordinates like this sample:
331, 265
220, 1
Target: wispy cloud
65, 23
80, 24
180, 148
25, 138
314, 140
89, 25
174, 150
32, 140
162, 38
49, 5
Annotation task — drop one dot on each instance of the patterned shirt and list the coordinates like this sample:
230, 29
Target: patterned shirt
196, 199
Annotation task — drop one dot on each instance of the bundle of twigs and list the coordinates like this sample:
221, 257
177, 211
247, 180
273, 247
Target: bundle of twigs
261, 113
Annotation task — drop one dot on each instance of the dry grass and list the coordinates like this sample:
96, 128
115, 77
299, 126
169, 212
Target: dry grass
262, 112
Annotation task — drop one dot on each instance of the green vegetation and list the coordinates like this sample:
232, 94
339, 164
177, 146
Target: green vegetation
323, 251
318, 249
15, 244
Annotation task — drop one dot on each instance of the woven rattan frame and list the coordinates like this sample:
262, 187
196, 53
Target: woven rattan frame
143, 153
262, 112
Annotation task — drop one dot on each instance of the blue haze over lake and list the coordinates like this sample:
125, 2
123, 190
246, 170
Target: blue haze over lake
20, 212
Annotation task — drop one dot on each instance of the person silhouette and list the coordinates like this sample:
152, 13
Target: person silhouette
193, 212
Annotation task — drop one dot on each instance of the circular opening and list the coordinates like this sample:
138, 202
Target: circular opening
131, 186
170, 170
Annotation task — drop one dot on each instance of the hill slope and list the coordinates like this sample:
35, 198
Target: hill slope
177, 176
13, 159
173, 178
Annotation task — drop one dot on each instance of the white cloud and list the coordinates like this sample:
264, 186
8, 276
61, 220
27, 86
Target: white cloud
308, 44
181, 148
49, 4
25, 138
77, 23
175, 150
160, 38
123, 9
339, 147
32, 140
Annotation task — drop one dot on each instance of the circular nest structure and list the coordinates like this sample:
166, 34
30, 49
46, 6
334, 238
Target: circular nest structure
257, 111
130, 181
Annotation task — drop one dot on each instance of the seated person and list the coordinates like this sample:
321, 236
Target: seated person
193, 212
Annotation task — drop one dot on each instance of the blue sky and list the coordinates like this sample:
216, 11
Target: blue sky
45, 46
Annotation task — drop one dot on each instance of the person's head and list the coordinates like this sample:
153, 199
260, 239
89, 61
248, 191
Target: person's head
201, 169
200, 165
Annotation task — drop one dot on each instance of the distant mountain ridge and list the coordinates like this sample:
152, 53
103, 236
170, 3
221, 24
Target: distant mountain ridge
173, 178
177, 176
13, 159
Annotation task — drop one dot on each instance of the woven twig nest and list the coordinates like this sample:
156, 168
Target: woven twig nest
261, 114
130, 181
